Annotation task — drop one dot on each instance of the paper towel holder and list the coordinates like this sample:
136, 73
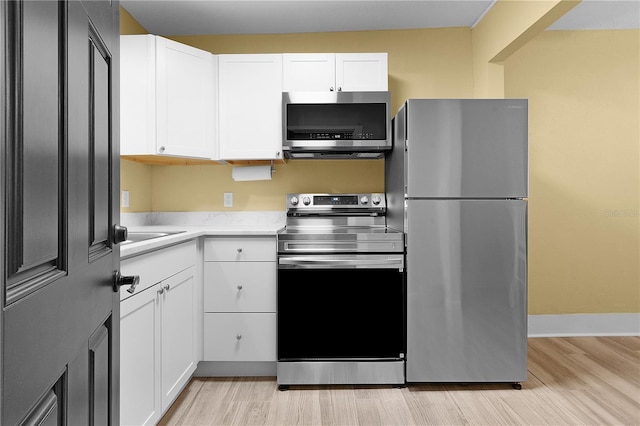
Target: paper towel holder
251, 173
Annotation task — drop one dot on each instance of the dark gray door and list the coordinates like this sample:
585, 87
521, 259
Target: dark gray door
59, 189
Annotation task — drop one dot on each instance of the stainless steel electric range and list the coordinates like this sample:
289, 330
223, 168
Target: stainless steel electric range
341, 292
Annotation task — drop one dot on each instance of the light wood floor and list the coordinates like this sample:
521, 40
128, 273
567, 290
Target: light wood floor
572, 381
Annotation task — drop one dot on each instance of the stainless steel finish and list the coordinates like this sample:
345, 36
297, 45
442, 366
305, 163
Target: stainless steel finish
345, 261
340, 234
340, 148
355, 246
161, 291
335, 221
455, 180
238, 336
466, 148
167, 287
317, 204
341, 373
467, 291
354, 224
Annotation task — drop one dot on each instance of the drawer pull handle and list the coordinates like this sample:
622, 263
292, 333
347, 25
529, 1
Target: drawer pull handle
238, 336
239, 250
240, 287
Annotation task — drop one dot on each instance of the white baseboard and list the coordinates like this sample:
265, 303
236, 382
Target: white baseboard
584, 325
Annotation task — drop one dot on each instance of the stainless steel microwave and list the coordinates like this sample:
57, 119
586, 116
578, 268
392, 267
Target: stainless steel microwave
336, 125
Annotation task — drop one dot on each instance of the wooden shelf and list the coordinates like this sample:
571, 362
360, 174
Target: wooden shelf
183, 161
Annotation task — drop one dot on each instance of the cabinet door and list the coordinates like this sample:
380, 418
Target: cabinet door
140, 358
240, 249
361, 71
178, 334
240, 337
185, 100
137, 94
250, 106
240, 287
308, 72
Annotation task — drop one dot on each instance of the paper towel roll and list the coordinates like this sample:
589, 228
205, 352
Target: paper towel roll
245, 173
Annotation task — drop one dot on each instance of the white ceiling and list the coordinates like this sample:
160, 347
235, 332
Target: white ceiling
188, 17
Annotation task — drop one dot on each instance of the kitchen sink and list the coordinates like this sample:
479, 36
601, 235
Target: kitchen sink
138, 236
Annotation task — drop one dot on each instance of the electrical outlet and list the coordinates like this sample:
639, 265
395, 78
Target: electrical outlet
125, 198
228, 199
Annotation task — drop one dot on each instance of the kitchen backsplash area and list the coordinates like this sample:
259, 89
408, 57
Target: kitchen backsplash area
201, 188
232, 219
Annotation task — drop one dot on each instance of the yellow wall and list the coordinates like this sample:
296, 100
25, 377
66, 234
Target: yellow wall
201, 188
506, 27
584, 133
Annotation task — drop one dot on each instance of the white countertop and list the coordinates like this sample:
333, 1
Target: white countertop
190, 232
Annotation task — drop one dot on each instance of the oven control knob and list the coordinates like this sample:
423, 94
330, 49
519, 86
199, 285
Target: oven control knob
306, 201
294, 201
364, 199
376, 200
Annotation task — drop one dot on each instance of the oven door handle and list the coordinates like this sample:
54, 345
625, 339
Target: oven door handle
316, 262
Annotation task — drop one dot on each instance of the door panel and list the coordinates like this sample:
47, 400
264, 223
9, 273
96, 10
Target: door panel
99, 359
467, 291
56, 160
99, 146
33, 159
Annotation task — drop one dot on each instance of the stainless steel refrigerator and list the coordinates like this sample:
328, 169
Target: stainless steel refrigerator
456, 183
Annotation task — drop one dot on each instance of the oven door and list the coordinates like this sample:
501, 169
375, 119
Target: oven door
340, 309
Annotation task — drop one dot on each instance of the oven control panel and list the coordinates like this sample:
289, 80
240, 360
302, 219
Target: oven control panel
336, 202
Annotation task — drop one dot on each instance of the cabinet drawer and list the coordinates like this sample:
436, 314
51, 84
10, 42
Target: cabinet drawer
239, 337
158, 265
240, 287
240, 249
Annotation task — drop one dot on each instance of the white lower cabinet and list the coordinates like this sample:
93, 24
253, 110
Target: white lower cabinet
140, 359
240, 336
178, 339
240, 299
158, 335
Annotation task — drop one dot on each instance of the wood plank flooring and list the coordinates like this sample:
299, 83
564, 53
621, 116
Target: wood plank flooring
572, 381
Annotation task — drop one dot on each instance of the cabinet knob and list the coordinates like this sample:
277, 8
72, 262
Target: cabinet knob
238, 336
339, 89
239, 287
161, 291
167, 287
239, 250
331, 89
162, 148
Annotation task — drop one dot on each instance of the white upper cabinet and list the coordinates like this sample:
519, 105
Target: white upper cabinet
361, 72
250, 106
308, 72
347, 72
167, 92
